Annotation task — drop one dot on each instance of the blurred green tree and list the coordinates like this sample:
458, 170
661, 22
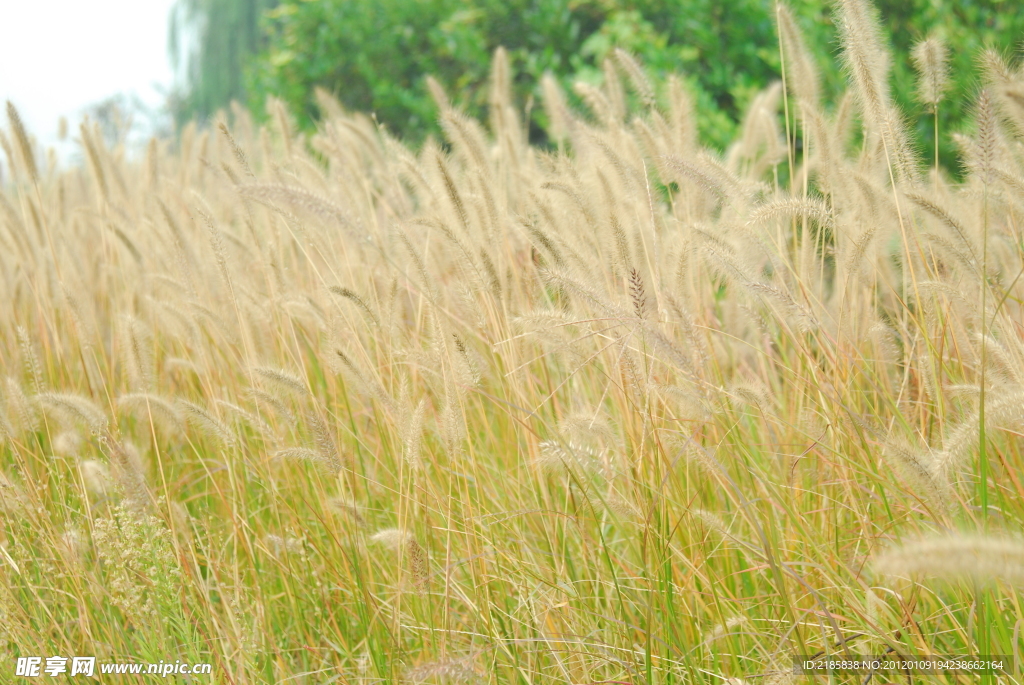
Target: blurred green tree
375, 57
210, 43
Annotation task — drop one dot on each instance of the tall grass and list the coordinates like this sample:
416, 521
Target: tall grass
330, 409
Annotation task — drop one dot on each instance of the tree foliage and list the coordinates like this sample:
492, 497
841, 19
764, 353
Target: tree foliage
376, 57
211, 42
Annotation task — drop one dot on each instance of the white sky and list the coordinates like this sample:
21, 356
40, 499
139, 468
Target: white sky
59, 56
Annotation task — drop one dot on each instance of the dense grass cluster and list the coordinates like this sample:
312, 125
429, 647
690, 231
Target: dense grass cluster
332, 410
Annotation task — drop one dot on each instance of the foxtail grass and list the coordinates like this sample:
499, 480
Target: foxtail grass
620, 409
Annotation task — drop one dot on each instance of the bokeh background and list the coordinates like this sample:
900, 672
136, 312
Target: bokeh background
146, 68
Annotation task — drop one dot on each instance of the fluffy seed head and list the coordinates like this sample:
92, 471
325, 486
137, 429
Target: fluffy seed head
392, 538
21, 138
280, 546
931, 59
75, 408
164, 413
952, 557
283, 380
405, 542
801, 73
67, 443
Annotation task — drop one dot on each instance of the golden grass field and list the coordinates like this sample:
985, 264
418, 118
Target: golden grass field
326, 409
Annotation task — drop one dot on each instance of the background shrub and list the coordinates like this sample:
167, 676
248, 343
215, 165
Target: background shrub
375, 57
